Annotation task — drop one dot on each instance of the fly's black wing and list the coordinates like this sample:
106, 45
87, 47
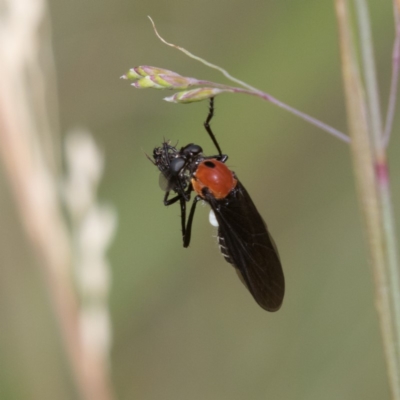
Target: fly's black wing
246, 243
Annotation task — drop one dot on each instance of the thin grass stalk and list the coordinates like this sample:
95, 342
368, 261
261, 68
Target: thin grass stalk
251, 90
364, 169
381, 166
394, 79
41, 219
33, 183
368, 64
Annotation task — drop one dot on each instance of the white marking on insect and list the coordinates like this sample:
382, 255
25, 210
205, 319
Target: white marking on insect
213, 219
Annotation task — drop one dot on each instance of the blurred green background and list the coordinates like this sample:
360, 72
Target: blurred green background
184, 327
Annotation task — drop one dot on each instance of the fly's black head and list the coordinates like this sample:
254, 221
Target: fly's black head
190, 151
173, 163
176, 165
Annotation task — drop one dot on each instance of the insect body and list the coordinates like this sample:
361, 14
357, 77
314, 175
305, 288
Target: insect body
242, 234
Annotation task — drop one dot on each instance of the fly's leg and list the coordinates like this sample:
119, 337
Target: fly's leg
168, 202
208, 128
181, 195
183, 218
188, 229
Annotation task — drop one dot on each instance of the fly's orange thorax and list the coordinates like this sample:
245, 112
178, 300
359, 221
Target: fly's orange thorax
215, 176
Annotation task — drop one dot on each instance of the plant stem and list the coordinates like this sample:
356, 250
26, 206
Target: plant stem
369, 191
253, 91
394, 80
265, 96
367, 51
27, 160
381, 167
